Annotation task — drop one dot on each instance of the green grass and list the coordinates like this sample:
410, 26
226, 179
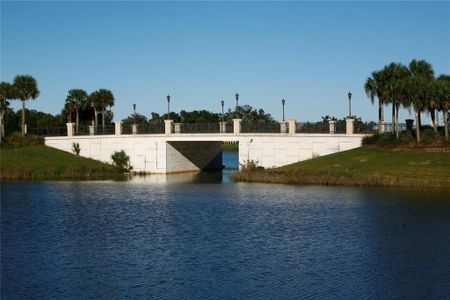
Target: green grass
365, 166
41, 162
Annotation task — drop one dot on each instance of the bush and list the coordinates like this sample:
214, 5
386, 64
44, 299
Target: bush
427, 136
251, 165
121, 160
16, 139
76, 148
379, 139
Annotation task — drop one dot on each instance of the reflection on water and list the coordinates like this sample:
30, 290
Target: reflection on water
175, 239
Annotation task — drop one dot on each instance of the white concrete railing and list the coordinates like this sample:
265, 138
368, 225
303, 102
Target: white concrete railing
170, 127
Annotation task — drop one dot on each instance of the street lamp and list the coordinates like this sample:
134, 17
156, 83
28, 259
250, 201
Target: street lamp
134, 113
168, 107
237, 103
349, 104
283, 102
222, 103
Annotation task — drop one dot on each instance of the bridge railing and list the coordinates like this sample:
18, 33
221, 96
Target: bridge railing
260, 127
312, 127
198, 127
47, 131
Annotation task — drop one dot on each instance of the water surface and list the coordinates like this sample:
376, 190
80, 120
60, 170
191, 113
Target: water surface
200, 236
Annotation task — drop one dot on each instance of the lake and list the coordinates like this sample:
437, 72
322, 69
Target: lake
200, 236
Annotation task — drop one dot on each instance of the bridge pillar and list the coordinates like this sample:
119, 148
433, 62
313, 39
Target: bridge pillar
70, 129
168, 124
382, 128
284, 126
349, 125
237, 126
292, 126
177, 127
118, 127
332, 125
223, 127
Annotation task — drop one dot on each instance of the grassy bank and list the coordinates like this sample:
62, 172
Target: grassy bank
365, 166
41, 162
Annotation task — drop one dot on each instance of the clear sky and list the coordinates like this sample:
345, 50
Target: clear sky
311, 54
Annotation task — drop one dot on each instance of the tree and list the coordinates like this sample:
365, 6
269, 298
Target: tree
78, 100
374, 88
443, 91
100, 100
424, 70
25, 88
6, 92
393, 74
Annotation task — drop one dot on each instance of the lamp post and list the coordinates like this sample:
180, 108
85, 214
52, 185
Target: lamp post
168, 107
134, 113
349, 104
283, 102
237, 103
222, 103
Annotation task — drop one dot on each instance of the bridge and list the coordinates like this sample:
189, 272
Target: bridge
174, 151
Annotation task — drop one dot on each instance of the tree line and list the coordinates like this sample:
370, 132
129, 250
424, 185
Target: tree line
411, 87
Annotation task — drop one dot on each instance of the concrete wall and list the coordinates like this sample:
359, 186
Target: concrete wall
188, 152
273, 151
193, 156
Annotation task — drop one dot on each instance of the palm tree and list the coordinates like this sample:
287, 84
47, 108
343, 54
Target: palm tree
25, 88
6, 92
394, 73
100, 100
443, 90
423, 69
374, 88
78, 99
413, 91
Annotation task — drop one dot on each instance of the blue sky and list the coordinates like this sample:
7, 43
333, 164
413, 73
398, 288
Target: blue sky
311, 54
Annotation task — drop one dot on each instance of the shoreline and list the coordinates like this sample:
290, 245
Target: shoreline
364, 166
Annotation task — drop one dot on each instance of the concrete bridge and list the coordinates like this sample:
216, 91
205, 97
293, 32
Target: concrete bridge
173, 151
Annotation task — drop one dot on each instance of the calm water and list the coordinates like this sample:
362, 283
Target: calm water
203, 237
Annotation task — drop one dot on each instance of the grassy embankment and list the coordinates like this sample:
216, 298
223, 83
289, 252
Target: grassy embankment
41, 162
365, 166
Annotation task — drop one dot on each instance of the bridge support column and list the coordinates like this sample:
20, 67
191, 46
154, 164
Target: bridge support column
177, 127
349, 125
284, 126
168, 124
70, 129
292, 126
332, 125
223, 127
118, 127
382, 128
237, 126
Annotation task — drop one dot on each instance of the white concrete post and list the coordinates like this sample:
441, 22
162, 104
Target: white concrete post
25, 129
134, 129
237, 126
91, 130
168, 126
177, 127
382, 127
223, 127
332, 125
284, 127
349, 128
70, 129
118, 127
292, 126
